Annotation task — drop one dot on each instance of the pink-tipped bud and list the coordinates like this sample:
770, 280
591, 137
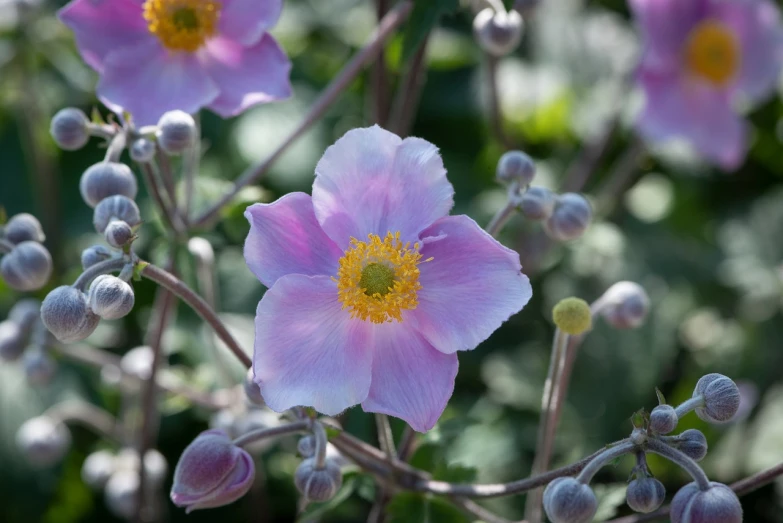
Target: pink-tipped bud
212, 472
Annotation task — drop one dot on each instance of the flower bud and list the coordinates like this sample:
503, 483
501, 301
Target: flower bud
98, 468
567, 500
27, 267
211, 472
25, 313
24, 227
721, 398
137, 362
155, 466
142, 150
318, 484
663, 419
572, 316
626, 305
538, 203
718, 504
692, 443
12, 340
306, 446
43, 441
177, 132
498, 33
570, 218
252, 390
95, 254
118, 234
110, 297
39, 367
69, 129
645, 495
106, 179
65, 313
515, 166
115, 207
122, 493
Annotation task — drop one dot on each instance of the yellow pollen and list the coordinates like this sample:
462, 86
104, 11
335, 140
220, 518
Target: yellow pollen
712, 52
182, 25
377, 279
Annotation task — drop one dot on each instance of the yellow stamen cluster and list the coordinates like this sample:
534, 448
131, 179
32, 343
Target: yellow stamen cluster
712, 52
377, 279
182, 25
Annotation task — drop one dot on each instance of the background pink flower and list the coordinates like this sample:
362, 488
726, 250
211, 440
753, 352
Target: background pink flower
373, 288
701, 57
155, 56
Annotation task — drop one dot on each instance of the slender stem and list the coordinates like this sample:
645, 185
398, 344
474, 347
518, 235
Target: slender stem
170, 218
409, 93
197, 303
621, 175
87, 415
369, 52
6, 246
585, 163
379, 74
320, 444
602, 459
407, 444
116, 146
190, 169
502, 217
495, 114
295, 427
104, 267
163, 163
674, 455
385, 436
689, 405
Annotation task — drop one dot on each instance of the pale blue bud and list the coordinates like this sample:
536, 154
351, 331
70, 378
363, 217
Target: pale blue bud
692, 443
27, 267
538, 203
98, 468
318, 484
721, 398
567, 500
113, 208
515, 166
142, 150
663, 419
570, 219
65, 313
106, 179
12, 340
645, 495
718, 504
498, 33
110, 297
95, 254
177, 132
69, 129
118, 234
43, 441
24, 227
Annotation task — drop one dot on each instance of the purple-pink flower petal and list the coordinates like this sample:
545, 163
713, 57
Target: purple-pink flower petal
247, 20
246, 76
372, 182
308, 351
678, 108
147, 81
411, 380
469, 288
665, 25
285, 238
757, 26
101, 26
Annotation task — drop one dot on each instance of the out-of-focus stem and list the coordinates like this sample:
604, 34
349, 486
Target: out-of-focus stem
190, 169
272, 432
502, 217
386, 28
409, 93
116, 146
169, 215
87, 415
379, 74
621, 176
495, 113
407, 444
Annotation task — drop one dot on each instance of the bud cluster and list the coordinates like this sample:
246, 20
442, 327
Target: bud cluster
715, 399
22, 335
26, 264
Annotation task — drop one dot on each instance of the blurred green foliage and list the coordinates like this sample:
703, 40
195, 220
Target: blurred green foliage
705, 244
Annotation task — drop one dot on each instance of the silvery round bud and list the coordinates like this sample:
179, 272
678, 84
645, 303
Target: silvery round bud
306, 446
252, 391
24, 227
142, 150
113, 208
98, 468
121, 493
498, 33
43, 441
95, 254
27, 267
155, 465
663, 419
692, 443
110, 297
318, 484
567, 500
645, 495
25, 313
627, 305
118, 234
177, 132
137, 362
201, 249
39, 367
515, 166
69, 129
721, 398
65, 313
12, 340
106, 179
570, 218
718, 504
538, 203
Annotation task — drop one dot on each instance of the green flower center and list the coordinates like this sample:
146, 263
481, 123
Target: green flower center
376, 278
185, 18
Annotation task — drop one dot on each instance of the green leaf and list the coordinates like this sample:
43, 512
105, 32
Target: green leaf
661, 398
415, 508
423, 19
640, 419
96, 117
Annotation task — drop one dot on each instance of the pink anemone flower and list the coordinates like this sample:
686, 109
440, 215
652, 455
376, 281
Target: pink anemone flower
155, 56
700, 58
373, 287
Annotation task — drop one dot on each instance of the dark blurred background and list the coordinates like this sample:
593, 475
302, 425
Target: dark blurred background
705, 244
